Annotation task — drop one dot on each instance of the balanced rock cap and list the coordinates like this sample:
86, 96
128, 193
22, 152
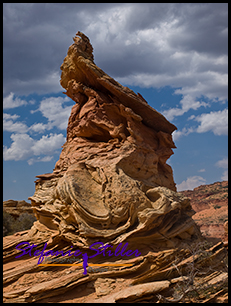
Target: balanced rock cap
79, 66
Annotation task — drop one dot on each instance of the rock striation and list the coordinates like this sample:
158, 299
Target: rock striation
111, 184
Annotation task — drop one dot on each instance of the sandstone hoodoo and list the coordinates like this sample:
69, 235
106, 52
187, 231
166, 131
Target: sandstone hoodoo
111, 181
111, 185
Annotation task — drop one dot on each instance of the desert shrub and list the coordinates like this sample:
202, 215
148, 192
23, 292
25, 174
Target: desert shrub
199, 265
11, 226
24, 222
8, 221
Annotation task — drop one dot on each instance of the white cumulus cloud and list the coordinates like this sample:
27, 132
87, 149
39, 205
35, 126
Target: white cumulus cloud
48, 144
190, 183
188, 102
217, 122
11, 101
39, 127
24, 146
10, 126
224, 176
223, 163
184, 132
20, 148
55, 111
47, 158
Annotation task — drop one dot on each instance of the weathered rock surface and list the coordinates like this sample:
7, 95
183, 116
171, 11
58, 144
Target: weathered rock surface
134, 293
154, 277
111, 184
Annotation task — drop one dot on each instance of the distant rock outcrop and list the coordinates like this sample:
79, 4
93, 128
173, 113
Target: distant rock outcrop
16, 208
210, 203
111, 185
17, 216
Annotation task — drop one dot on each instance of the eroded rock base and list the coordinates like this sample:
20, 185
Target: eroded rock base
196, 273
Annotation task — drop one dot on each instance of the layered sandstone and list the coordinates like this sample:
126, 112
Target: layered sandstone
111, 184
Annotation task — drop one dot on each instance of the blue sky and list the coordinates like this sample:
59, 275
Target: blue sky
175, 55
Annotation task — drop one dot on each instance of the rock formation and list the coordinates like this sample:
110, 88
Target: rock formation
111, 181
16, 208
111, 184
